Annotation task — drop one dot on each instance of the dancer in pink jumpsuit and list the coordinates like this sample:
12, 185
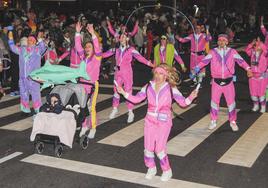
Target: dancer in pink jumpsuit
222, 64
257, 52
198, 45
123, 73
165, 52
158, 121
92, 55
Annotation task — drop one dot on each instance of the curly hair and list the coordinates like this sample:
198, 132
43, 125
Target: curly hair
173, 75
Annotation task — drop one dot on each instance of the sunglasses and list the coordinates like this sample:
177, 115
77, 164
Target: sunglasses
163, 39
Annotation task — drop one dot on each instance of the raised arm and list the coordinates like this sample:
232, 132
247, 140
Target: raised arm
183, 40
95, 40
110, 28
180, 61
178, 58
263, 29
139, 97
78, 46
204, 62
240, 61
15, 49
63, 56
41, 47
135, 29
181, 100
140, 58
108, 53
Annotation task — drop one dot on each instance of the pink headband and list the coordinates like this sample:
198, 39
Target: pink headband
31, 37
161, 70
223, 37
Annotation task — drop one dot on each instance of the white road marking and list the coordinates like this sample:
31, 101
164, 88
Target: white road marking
11, 156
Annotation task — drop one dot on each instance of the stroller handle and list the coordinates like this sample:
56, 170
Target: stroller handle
85, 83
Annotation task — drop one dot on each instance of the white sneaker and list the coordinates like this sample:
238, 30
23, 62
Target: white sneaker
167, 175
212, 125
151, 172
255, 108
83, 131
113, 113
92, 133
234, 126
130, 118
263, 109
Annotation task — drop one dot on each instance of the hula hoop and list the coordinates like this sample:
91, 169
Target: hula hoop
169, 7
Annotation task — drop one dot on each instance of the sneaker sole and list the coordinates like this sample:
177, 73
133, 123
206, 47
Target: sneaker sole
211, 128
117, 113
165, 180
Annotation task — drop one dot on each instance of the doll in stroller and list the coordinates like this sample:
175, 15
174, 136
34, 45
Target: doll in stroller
61, 117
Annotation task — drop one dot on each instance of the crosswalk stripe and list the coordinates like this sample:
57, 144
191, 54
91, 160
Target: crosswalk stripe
185, 142
9, 110
134, 132
7, 98
108, 172
245, 151
112, 86
20, 125
13, 109
103, 116
27, 123
11, 156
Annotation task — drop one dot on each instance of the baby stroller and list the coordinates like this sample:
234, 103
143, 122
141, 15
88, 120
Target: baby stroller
59, 126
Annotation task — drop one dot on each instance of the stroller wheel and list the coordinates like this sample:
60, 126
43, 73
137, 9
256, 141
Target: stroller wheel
58, 150
39, 147
84, 141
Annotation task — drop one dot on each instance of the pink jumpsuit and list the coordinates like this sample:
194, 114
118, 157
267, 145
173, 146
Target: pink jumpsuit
74, 58
52, 56
93, 70
222, 65
158, 121
124, 73
198, 44
258, 83
176, 56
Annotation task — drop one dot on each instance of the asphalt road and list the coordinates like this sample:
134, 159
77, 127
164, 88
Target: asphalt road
200, 158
